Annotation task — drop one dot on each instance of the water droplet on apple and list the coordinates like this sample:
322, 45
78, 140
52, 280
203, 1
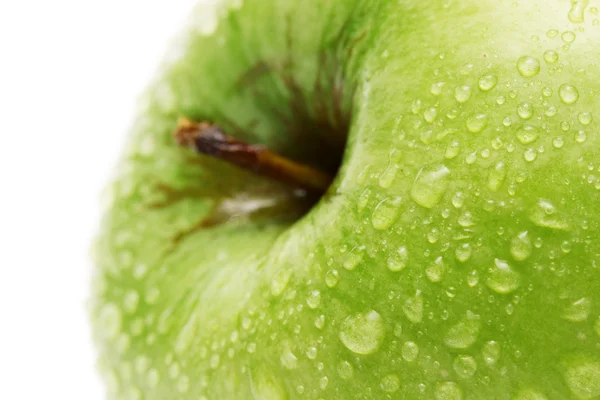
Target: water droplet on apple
551, 56
287, 358
502, 278
462, 93
464, 366
397, 259
568, 36
131, 301
313, 300
464, 333
280, 281
585, 118
153, 378
580, 136
109, 321
410, 351
530, 155
430, 114
385, 213
477, 122
496, 176
345, 370
463, 252
436, 88
491, 352
332, 277
452, 150
354, 258
528, 66
323, 382
430, 185
389, 175
579, 310
311, 353
363, 333
583, 378
448, 391
528, 134
568, 93
558, 142
390, 383
525, 110
413, 308
435, 272
521, 246
545, 215
487, 82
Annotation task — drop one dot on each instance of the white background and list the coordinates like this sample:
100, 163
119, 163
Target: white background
70, 72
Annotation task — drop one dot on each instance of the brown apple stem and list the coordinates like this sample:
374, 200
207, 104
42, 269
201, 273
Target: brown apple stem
209, 139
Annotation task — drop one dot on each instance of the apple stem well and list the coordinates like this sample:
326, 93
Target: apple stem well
209, 139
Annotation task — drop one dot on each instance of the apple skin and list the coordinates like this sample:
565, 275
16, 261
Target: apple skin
457, 254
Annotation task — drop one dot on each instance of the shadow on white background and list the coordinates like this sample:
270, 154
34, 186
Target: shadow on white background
70, 72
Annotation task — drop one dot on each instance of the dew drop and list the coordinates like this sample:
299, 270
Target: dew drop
131, 301
521, 246
390, 383
558, 142
530, 155
397, 259
410, 351
430, 185
527, 134
464, 366
385, 213
448, 391
313, 300
491, 352
580, 136
552, 33
551, 56
389, 175
435, 272
579, 310
487, 82
463, 252
585, 118
436, 88
568, 36
528, 66
525, 110
345, 370
462, 94
452, 150
109, 321
363, 333
583, 378
354, 258
577, 9
413, 308
545, 215
288, 359
496, 176
477, 123
280, 281
568, 94
502, 278
430, 114
464, 333
332, 277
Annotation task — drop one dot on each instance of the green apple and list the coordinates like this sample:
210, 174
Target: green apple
455, 256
